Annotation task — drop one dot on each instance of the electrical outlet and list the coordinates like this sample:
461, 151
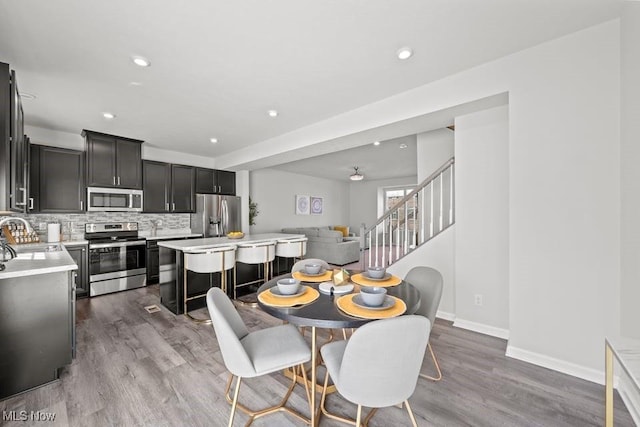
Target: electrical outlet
477, 299
159, 223
42, 226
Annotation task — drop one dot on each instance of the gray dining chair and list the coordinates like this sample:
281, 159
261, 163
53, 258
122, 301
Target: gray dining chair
300, 264
252, 354
429, 283
378, 366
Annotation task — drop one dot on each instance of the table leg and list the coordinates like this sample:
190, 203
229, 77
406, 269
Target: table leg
608, 357
314, 372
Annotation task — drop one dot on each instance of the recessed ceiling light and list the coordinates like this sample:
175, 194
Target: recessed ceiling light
135, 84
141, 61
25, 95
404, 53
402, 145
272, 113
109, 116
376, 143
213, 140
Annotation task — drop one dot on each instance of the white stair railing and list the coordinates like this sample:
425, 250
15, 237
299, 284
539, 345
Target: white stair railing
417, 218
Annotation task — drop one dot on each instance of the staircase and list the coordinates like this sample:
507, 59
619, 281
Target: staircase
417, 218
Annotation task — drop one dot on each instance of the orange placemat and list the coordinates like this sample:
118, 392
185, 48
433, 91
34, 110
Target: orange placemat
361, 280
345, 303
304, 278
267, 298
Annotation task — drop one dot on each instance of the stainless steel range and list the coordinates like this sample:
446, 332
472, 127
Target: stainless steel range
117, 257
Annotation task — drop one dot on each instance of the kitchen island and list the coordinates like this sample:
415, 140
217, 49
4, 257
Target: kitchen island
37, 317
171, 289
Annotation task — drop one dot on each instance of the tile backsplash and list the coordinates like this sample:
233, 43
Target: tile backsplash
77, 221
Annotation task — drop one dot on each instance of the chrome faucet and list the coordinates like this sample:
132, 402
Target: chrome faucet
3, 242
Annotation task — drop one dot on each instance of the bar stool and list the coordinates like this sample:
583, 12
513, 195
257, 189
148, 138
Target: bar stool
214, 260
291, 248
255, 253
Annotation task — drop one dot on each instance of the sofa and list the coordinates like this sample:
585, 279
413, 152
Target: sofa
329, 245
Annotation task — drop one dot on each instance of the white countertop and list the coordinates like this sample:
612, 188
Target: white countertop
34, 259
212, 242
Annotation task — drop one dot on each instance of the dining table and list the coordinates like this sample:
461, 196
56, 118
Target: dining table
324, 313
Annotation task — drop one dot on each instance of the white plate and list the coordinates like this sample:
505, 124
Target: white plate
276, 292
386, 276
325, 288
388, 303
304, 273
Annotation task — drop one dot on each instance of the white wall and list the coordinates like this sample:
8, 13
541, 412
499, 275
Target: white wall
366, 200
564, 177
275, 191
433, 149
630, 179
482, 218
630, 174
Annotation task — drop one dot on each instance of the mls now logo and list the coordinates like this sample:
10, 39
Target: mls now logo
27, 416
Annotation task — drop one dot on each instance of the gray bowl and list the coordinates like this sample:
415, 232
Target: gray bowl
373, 295
288, 286
312, 268
376, 272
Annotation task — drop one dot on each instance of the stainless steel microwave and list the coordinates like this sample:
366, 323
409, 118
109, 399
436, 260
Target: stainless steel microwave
114, 199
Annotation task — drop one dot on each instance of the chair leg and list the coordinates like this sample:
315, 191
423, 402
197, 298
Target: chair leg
358, 416
235, 400
435, 363
413, 419
279, 407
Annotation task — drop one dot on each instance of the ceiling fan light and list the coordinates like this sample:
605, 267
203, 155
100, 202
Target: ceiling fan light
356, 176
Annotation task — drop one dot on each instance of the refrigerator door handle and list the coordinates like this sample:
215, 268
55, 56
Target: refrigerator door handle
225, 216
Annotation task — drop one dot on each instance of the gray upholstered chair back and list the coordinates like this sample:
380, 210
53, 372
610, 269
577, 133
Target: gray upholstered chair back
230, 329
300, 264
429, 282
382, 361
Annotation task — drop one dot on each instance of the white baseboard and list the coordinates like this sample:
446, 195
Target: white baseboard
559, 365
446, 316
482, 328
631, 399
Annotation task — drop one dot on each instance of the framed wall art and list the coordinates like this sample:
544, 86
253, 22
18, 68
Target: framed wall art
302, 205
316, 205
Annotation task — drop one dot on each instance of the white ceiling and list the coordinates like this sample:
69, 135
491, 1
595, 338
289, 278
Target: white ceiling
218, 66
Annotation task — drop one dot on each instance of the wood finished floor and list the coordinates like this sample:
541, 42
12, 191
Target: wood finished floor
135, 368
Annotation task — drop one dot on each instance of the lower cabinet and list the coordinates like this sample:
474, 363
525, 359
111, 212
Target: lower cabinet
79, 253
153, 262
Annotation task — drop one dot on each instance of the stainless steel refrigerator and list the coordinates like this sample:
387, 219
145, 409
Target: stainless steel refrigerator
216, 215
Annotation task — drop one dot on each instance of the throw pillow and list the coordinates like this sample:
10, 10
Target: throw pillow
344, 229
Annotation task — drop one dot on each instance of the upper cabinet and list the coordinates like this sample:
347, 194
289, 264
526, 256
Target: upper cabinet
57, 180
13, 145
168, 188
214, 181
113, 161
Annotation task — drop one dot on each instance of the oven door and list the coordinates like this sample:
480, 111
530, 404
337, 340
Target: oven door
116, 259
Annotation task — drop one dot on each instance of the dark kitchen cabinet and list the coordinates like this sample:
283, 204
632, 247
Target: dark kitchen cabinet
214, 181
57, 180
79, 255
156, 186
183, 185
113, 161
13, 150
168, 187
153, 262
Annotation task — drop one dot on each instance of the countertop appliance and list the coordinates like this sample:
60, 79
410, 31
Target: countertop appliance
114, 199
216, 215
117, 257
